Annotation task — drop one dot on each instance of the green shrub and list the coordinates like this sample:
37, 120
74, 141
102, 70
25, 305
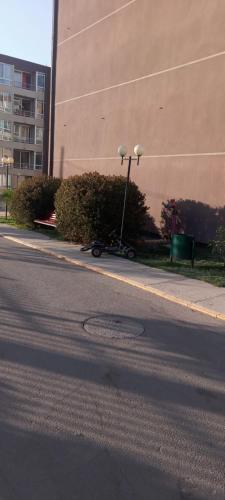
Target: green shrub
218, 245
34, 198
6, 196
90, 206
170, 219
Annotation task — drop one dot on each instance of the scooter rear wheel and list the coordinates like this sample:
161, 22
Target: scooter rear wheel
96, 252
131, 254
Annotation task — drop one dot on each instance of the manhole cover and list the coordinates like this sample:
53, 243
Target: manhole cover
113, 327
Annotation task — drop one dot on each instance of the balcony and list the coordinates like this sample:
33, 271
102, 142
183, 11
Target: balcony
23, 140
5, 81
23, 165
24, 85
23, 107
5, 136
23, 112
27, 166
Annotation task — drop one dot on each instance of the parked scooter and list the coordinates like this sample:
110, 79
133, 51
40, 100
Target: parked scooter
116, 246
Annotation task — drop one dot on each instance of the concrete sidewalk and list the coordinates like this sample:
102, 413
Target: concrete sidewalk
193, 294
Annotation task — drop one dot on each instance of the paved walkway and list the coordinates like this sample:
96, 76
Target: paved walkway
194, 294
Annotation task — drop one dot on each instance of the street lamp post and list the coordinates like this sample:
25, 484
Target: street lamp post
7, 161
122, 151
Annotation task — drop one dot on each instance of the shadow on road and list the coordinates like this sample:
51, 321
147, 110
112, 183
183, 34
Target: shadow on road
89, 418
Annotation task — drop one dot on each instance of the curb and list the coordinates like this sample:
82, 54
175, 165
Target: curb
154, 291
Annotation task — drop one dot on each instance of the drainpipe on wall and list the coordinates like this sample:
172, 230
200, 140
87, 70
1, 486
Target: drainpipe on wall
53, 85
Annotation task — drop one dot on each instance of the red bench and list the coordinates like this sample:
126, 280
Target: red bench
49, 221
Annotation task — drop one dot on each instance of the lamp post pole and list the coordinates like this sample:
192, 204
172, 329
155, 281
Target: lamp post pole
7, 161
138, 151
7, 187
125, 198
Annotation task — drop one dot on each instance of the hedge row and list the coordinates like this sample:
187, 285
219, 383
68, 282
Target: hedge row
33, 199
87, 206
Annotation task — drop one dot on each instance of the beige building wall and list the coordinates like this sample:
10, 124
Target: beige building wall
149, 72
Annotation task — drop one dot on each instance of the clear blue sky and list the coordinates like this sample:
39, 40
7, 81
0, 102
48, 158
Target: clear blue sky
26, 29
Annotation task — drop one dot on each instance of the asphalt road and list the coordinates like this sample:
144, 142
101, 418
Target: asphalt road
84, 417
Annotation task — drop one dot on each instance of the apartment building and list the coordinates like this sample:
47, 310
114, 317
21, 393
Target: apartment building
149, 72
24, 119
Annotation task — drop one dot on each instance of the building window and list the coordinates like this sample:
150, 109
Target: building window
5, 153
40, 81
39, 135
26, 81
22, 80
3, 181
16, 129
23, 107
38, 161
25, 159
18, 79
22, 133
5, 130
5, 102
22, 159
5, 74
40, 108
17, 105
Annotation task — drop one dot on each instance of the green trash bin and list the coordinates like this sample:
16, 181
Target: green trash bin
182, 247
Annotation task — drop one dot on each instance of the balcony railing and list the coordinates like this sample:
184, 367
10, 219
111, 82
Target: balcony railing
5, 81
24, 112
25, 86
27, 166
5, 136
21, 85
25, 140
24, 165
5, 109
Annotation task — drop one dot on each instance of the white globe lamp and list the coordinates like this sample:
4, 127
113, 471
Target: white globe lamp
122, 150
138, 150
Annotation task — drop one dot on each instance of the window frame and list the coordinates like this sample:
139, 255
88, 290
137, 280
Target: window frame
40, 74
6, 79
38, 141
43, 107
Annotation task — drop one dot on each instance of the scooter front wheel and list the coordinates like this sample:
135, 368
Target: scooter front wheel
96, 252
131, 254
85, 248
